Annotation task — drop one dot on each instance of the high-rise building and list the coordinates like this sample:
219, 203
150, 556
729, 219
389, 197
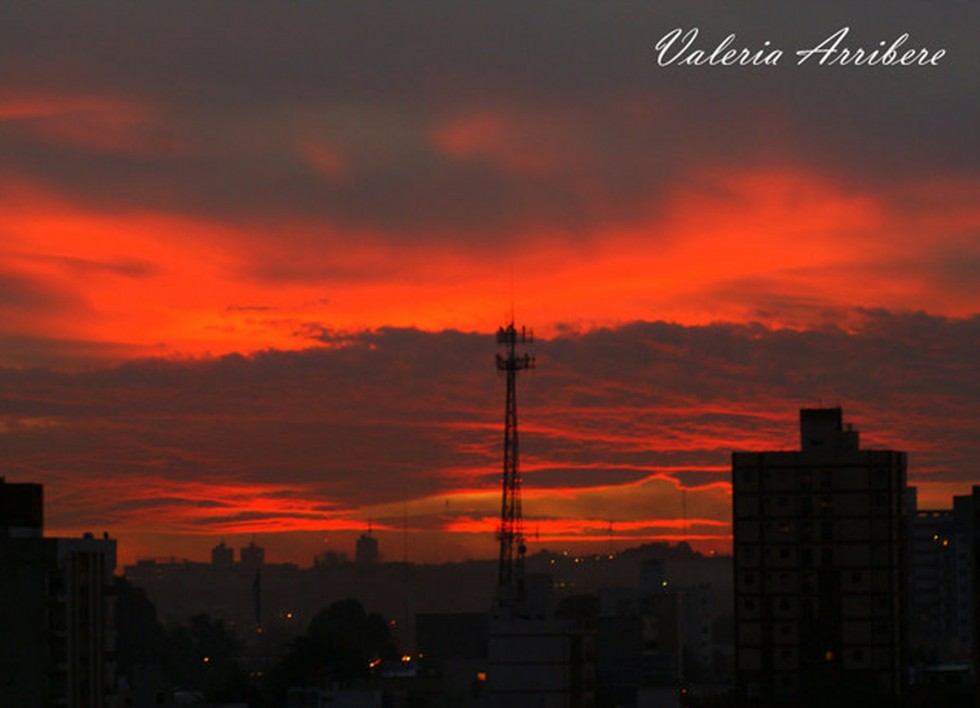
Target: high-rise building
942, 582
21, 510
975, 573
56, 610
820, 568
222, 556
252, 556
367, 549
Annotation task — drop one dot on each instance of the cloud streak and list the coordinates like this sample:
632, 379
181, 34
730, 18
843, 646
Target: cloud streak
632, 425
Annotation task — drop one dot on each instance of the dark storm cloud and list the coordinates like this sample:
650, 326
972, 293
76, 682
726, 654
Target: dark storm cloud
227, 106
397, 414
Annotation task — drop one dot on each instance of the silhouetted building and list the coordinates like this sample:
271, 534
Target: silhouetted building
697, 639
975, 514
536, 659
58, 644
252, 556
367, 549
638, 648
453, 647
21, 510
222, 556
820, 568
943, 583
639, 643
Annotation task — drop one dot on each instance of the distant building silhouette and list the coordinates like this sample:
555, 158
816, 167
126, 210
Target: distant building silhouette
943, 583
222, 556
367, 549
820, 568
56, 609
638, 647
252, 556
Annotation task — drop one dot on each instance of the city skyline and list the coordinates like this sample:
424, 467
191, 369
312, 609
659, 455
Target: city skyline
252, 264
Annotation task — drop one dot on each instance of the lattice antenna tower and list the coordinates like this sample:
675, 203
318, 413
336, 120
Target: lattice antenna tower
511, 534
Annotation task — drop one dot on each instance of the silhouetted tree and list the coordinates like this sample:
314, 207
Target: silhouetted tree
203, 654
338, 646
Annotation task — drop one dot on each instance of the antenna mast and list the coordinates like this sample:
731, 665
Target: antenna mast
511, 535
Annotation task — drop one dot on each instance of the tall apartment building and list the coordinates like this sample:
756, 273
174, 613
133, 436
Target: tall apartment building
56, 610
943, 582
366, 552
820, 568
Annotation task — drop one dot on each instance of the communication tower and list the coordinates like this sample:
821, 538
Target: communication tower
511, 534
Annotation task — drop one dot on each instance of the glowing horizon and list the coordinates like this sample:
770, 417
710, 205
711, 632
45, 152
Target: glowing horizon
250, 286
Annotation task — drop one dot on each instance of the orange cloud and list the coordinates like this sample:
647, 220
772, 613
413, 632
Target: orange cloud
783, 246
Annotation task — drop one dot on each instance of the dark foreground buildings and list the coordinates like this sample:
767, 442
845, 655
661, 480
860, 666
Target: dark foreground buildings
944, 594
820, 569
57, 639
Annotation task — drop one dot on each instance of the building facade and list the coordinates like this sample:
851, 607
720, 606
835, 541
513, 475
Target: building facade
56, 610
535, 659
943, 583
820, 568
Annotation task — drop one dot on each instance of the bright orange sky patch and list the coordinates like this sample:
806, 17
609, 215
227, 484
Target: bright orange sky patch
316, 239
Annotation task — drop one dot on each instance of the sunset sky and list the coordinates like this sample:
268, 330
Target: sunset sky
253, 256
